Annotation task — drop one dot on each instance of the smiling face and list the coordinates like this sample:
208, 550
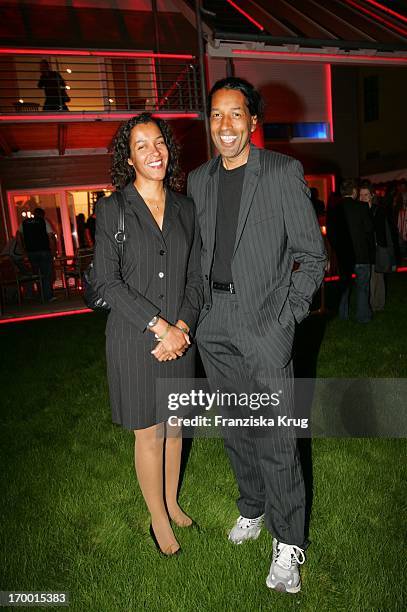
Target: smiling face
365, 196
148, 152
231, 126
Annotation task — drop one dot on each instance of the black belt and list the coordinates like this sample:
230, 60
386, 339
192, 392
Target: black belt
229, 287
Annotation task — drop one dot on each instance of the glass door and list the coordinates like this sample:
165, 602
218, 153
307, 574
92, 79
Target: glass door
80, 205
69, 210
24, 204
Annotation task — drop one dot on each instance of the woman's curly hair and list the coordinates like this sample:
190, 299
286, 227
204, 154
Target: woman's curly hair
122, 173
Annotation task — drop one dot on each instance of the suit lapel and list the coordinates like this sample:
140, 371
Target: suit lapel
208, 220
172, 208
139, 207
250, 183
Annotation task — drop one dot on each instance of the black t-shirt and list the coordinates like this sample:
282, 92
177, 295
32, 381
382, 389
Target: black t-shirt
229, 195
91, 225
53, 85
35, 235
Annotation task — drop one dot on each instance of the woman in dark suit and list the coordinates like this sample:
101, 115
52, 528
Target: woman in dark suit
155, 299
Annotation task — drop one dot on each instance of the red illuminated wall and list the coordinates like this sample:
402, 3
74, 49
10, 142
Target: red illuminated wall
294, 92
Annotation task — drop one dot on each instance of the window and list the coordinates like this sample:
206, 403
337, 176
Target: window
314, 131
300, 131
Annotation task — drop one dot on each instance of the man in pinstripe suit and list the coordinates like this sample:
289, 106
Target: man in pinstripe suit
256, 220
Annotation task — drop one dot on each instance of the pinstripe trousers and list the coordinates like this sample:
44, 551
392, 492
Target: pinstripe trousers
265, 461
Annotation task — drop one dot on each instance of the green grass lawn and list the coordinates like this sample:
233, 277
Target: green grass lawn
73, 518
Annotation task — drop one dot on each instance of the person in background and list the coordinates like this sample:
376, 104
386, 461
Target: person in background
318, 204
388, 201
339, 238
377, 285
335, 196
400, 206
361, 230
91, 222
38, 240
81, 231
54, 87
15, 251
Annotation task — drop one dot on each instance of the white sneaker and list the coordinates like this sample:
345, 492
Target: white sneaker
246, 529
284, 575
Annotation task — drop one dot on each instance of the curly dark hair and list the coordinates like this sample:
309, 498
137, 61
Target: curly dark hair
122, 173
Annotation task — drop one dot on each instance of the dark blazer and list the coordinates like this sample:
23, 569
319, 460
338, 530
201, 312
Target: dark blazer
277, 226
339, 237
161, 271
380, 225
361, 229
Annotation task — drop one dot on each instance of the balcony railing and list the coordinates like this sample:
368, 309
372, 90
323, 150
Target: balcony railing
130, 82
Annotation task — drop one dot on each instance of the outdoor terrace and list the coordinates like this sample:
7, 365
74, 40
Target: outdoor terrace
83, 85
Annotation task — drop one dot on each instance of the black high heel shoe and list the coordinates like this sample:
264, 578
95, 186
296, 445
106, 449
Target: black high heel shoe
163, 554
194, 525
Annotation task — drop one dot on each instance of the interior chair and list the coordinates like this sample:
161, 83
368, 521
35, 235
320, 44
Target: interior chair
11, 276
75, 268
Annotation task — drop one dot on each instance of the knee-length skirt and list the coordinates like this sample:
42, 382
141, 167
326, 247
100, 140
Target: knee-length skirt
133, 374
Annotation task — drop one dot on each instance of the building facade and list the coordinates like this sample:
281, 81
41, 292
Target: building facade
66, 89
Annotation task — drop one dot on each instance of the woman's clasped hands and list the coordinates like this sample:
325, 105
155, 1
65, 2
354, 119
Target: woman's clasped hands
173, 340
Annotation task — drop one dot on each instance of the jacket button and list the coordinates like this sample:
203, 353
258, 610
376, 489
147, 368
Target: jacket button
162, 252
207, 306
206, 277
161, 296
161, 274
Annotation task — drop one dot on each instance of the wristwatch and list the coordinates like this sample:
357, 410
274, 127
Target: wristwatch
153, 322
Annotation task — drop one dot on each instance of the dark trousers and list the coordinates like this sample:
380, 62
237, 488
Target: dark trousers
362, 286
54, 104
41, 261
266, 463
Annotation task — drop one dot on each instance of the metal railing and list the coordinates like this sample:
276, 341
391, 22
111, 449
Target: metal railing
30, 83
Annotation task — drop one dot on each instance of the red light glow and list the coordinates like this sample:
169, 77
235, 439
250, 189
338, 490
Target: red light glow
329, 279
323, 182
47, 315
248, 17
67, 313
257, 137
387, 10
328, 97
330, 56
86, 53
155, 88
71, 116
389, 24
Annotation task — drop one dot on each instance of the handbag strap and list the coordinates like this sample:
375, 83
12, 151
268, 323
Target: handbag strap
120, 235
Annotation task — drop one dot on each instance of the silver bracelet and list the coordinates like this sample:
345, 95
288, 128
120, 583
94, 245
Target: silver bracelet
153, 322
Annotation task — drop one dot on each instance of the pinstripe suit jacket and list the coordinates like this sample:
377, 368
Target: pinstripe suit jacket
276, 226
160, 272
